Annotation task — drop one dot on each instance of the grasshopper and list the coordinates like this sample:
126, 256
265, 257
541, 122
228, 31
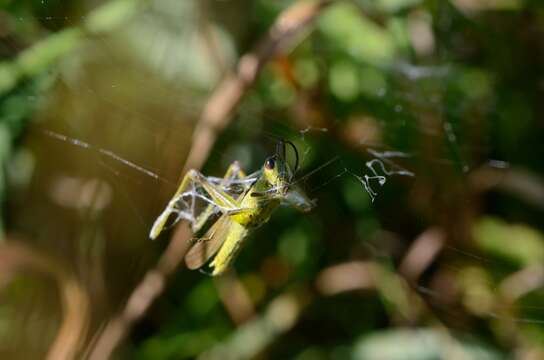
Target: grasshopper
261, 193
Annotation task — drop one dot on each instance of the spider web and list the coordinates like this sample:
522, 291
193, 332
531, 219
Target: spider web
192, 203
373, 175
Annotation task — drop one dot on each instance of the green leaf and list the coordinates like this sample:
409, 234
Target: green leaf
347, 28
419, 344
518, 243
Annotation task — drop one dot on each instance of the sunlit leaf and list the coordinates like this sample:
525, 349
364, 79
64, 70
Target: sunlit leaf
419, 344
518, 243
347, 27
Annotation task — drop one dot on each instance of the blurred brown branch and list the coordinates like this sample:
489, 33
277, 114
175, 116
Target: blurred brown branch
16, 258
215, 117
528, 186
235, 298
422, 253
343, 277
522, 282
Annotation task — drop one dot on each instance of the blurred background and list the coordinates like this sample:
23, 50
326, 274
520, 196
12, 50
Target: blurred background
416, 120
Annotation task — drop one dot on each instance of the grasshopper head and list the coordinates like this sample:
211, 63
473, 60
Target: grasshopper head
276, 169
278, 174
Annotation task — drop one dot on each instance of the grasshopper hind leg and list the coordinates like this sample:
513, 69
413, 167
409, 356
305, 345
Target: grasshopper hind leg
218, 197
234, 172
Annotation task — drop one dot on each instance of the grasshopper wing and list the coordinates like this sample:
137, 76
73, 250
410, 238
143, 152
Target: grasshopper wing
209, 244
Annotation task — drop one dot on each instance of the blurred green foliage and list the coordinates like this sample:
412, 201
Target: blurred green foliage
447, 263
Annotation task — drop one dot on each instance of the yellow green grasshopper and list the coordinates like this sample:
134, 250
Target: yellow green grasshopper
257, 196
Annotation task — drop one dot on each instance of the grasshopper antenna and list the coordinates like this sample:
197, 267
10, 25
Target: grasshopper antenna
295, 150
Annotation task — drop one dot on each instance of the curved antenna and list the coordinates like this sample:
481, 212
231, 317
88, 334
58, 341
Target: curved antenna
295, 150
281, 150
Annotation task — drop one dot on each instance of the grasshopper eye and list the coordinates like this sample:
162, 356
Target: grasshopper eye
270, 163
